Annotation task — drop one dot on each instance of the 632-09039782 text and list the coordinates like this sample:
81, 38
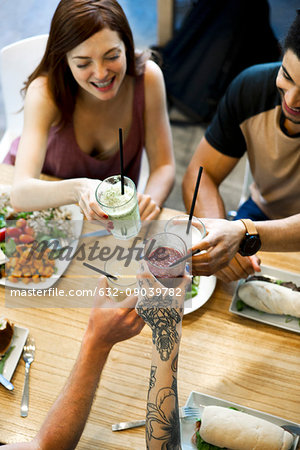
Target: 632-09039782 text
111, 292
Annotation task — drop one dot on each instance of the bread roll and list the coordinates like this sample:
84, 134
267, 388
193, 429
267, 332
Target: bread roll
235, 430
270, 297
6, 334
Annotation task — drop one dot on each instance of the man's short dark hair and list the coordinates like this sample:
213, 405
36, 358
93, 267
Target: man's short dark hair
292, 39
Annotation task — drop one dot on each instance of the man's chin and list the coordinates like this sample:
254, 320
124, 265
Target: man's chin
292, 119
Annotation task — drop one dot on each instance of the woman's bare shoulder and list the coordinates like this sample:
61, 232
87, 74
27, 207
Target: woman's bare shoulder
153, 72
38, 88
39, 97
154, 83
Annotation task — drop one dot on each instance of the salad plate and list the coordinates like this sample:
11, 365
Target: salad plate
196, 399
61, 264
17, 344
281, 321
205, 290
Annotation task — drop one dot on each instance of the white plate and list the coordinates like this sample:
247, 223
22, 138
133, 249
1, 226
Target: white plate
280, 321
18, 341
61, 266
205, 289
197, 399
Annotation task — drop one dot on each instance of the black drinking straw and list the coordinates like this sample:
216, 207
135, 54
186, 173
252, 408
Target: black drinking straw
187, 256
121, 160
194, 200
108, 275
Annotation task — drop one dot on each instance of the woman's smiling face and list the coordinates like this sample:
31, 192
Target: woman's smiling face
99, 64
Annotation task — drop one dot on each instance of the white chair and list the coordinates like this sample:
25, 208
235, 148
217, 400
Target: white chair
17, 62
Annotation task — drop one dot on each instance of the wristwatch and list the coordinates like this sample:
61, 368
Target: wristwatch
251, 242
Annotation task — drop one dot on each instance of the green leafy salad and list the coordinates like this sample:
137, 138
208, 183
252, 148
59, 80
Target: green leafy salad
4, 358
193, 291
19, 230
24, 227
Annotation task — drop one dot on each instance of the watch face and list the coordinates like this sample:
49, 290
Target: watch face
250, 245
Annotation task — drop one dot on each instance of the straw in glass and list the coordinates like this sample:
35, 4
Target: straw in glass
121, 159
108, 275
187, 256
194, 200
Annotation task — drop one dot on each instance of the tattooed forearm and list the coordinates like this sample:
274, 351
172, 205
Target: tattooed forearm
174, 365
163, 419
163, 313
152, 380
163, 324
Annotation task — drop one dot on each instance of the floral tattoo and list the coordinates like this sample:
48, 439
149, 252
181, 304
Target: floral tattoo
163, 323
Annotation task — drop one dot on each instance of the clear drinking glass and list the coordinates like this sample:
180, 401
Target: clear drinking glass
178, 225
122, 210
126, 283
160, 251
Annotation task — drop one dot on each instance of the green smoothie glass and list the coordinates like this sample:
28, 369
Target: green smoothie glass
122, 210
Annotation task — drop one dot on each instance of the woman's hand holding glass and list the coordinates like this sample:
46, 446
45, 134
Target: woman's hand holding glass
149, 210
88, 203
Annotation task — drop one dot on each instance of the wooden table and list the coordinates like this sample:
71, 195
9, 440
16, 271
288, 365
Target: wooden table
221, 355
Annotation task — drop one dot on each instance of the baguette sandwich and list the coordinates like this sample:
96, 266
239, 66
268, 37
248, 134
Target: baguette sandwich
235, 430
266, 295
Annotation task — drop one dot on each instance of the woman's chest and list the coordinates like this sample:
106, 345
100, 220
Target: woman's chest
97, 129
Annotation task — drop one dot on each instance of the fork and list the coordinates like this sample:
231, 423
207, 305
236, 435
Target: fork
28, 356
184, 412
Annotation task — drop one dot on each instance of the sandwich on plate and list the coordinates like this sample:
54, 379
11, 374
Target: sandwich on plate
227, 428
271, 296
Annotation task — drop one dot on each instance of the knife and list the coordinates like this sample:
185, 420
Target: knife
6, 383
96, 233
65, 243
292, 429
126, 425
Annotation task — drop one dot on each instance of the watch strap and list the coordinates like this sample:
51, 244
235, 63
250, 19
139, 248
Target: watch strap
250, 227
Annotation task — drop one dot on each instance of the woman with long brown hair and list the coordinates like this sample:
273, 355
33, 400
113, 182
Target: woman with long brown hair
90, 83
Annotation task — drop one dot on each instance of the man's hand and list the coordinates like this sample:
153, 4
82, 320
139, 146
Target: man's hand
239, 267
162, 309
111, 322
220, 257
